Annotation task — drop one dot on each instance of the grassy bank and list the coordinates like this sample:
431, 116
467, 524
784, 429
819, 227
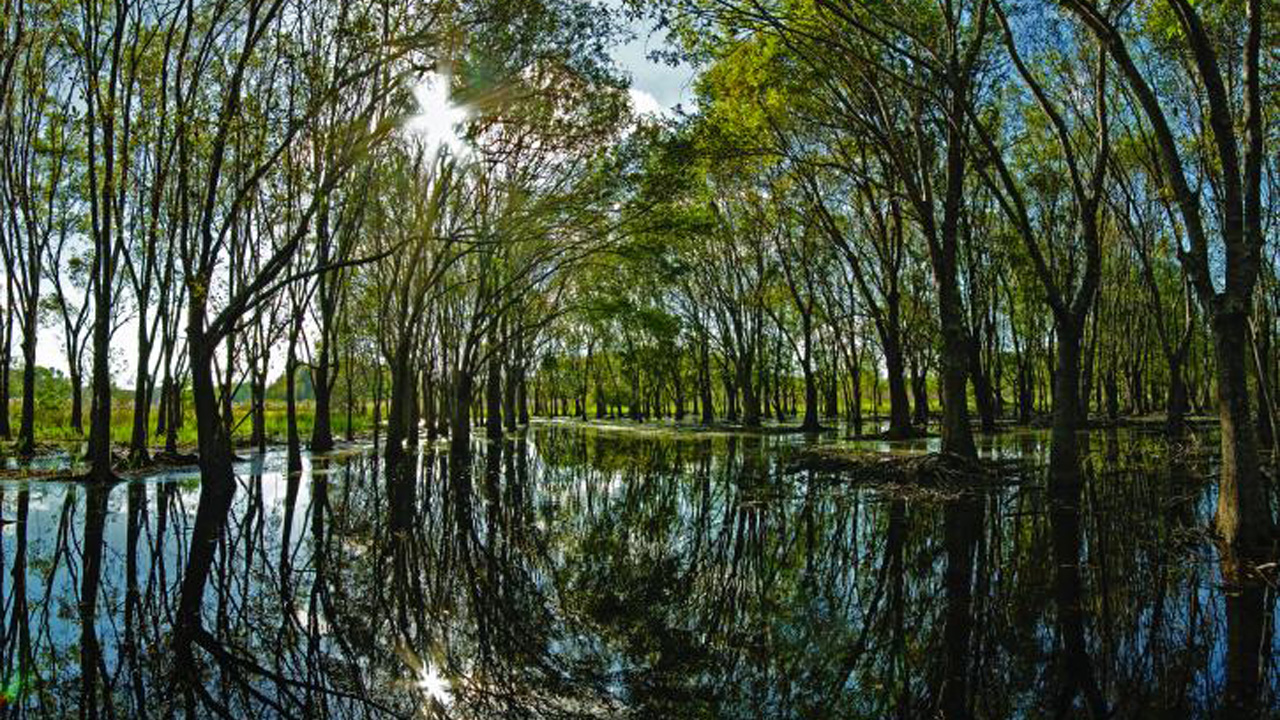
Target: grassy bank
53, 425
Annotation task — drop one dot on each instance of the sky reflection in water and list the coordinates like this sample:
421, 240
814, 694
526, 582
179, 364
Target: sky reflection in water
591, 573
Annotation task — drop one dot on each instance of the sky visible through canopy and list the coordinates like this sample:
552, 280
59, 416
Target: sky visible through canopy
656, 87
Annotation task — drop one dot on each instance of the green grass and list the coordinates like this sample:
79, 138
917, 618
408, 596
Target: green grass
53, 426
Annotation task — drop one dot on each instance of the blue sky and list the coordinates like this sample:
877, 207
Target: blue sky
654, 85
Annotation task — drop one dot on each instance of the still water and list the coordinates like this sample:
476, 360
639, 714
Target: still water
592, 573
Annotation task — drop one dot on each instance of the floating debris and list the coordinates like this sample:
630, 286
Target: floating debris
944, 474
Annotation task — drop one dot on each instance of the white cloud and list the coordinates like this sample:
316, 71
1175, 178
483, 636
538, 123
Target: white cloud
644, 103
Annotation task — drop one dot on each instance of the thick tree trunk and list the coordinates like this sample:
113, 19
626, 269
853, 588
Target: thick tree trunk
397, 413
493, 399
1113, 396
833, 395
810, 423
1064, 455
322, 387
957, 435
162, 408
895, 369
1244, 515
460, 420
217, 489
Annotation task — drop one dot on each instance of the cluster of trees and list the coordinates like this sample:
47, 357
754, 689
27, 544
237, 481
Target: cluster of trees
1015, 203
244, 186
1030, 205
1020, 204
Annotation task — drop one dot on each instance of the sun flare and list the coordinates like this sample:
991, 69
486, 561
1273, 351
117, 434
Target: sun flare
439, 120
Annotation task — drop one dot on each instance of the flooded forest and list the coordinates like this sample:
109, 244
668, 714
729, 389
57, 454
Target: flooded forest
639, 359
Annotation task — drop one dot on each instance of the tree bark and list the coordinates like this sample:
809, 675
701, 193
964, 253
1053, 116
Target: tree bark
493, 398
982, 394
27, 420
957, 435
138, 454
322, 387
100, 409
1243, 516
920, 389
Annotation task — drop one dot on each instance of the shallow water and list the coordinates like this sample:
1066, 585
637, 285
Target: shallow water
609, 573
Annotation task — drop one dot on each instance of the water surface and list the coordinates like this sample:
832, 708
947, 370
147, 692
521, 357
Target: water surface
592, 573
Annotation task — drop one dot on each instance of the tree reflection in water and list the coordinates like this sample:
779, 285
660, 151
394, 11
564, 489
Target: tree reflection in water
569, 573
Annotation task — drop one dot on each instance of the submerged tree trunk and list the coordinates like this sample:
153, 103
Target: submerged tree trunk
397, 412
1249, 605
100, 409
217, 489
493, 398
957, 435
1243, 516
293, 440
1064, 458
322, 389
810, 423
460, 419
